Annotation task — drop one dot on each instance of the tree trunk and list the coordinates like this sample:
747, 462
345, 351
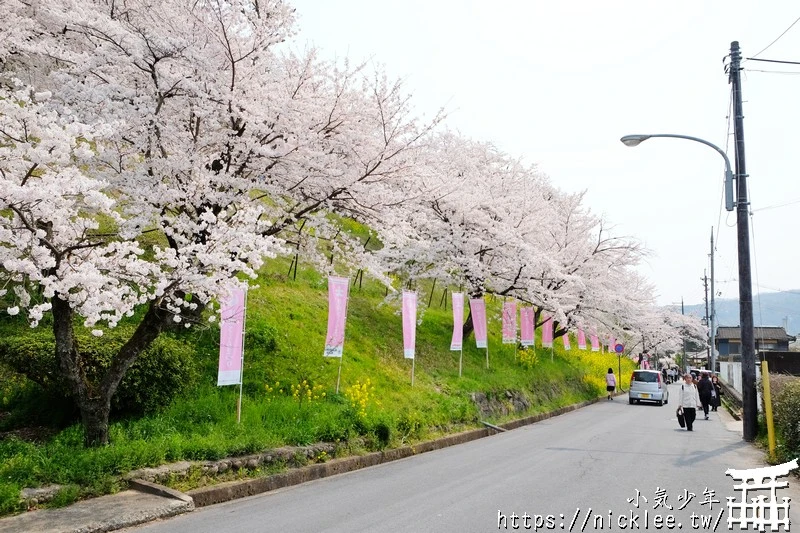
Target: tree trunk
468, 326
95, 414
94, 398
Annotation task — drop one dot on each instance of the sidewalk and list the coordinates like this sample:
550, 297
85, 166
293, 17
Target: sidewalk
106, 513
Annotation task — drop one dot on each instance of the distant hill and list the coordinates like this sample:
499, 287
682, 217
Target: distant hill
776, 309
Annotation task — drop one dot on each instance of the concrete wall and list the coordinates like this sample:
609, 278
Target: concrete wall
731, 374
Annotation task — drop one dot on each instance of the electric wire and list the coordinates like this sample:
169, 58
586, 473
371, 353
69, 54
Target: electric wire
779, 61
782, 72
777, 38
775, 206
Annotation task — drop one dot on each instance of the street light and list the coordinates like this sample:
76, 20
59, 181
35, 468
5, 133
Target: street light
636, 140
745, 284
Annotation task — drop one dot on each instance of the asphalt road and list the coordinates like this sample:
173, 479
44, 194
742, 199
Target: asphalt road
587, 463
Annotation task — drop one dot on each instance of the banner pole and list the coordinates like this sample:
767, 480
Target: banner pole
487, 353
339, 375
241, 364
346, 309
413, 361
461, 359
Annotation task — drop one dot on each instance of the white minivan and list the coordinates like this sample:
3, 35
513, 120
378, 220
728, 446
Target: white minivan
647, 385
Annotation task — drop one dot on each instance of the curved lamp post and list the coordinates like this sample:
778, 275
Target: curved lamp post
745, 283
636, 140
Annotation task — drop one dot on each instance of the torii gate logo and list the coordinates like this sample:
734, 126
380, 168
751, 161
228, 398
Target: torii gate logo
760, 512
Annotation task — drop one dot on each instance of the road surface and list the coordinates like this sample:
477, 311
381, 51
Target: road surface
583, 471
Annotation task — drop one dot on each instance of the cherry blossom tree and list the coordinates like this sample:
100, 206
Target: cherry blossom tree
156, 151
153, 155
475, 224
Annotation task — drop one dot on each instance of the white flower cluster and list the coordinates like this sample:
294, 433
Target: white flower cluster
169, 152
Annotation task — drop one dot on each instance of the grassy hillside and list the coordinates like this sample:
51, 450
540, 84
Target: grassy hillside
289, 389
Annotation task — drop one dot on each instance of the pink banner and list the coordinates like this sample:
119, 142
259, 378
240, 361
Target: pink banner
566, 341
456, 343
231, 338
409, 323
526, 326
611, 342
595, 343
510, 323
581, 340
547, 333
337, 316
478, 309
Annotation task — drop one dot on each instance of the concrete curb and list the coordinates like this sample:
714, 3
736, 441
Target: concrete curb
159, 490
232, 490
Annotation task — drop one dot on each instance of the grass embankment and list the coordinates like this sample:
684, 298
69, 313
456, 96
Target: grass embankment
289, 390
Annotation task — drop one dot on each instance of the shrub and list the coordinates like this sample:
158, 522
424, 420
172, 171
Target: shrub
786, 408
9, 499
161, 372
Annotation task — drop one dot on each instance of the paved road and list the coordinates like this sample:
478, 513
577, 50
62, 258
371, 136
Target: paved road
594, 458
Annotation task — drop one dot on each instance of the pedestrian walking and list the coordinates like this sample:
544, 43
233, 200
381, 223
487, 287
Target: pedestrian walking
704, 389
611, 383
689, 401
716, 393
664, 374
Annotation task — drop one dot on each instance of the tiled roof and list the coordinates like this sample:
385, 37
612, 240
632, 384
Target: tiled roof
767, 333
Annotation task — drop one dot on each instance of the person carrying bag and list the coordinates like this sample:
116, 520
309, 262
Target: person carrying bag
689, 402
716, 393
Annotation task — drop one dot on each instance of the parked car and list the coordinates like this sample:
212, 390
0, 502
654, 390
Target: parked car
647, 385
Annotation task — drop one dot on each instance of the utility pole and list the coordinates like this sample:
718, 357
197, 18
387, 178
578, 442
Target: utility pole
713, 317
708, 319
683, 361
749, 402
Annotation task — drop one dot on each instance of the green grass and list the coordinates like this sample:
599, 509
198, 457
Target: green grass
286, 321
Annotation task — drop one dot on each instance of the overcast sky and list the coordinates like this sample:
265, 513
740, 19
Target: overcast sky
559, 82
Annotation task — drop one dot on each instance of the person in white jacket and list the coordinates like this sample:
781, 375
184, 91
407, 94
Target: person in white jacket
689, 401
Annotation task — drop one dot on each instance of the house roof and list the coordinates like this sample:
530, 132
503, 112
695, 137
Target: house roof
768, 333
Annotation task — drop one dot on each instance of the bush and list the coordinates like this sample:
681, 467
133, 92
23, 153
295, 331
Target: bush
161, 372
786, 408
9, 499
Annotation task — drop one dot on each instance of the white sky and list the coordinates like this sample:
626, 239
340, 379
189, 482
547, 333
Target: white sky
559, 82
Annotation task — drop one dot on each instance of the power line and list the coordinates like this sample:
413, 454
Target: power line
775, 61
778, 37
775, 206
789, 72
